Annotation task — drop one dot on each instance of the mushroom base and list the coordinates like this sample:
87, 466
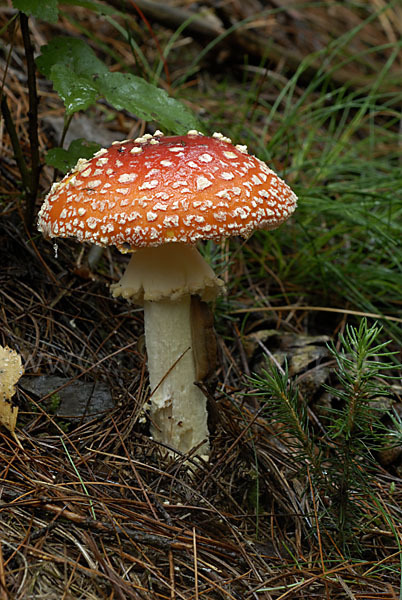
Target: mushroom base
178, 407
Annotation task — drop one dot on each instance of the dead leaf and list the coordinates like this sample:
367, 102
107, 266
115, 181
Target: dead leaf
8, 416
10, 372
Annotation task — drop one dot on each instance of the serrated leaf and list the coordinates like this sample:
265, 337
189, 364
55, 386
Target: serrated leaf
79, 77
72, 53
65, 160
47, 10
77, 92
148, 102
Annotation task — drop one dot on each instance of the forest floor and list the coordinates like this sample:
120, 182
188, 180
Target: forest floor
91, 508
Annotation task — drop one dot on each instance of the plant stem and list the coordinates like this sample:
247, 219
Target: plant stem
67, 121
32, 191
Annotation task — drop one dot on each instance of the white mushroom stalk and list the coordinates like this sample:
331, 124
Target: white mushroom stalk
163, 279
159, 195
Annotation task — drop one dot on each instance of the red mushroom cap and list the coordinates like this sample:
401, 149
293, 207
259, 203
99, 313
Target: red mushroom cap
157, 189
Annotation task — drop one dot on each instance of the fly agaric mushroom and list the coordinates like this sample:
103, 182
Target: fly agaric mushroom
158, 196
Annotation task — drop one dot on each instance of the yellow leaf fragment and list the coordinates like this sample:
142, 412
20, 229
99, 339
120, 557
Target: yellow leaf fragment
8, 416
10, 372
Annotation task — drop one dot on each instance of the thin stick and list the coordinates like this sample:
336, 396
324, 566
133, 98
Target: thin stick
342, 311
3, 588
195, 564
18, 154
171, 576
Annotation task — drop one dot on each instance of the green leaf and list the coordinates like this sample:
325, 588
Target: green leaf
72, 53
77, 92
80, 77
148, 102
65, 160
73, 67
47, 10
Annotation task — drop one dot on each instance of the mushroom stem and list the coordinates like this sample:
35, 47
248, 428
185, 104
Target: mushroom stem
163, 280
178, 407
